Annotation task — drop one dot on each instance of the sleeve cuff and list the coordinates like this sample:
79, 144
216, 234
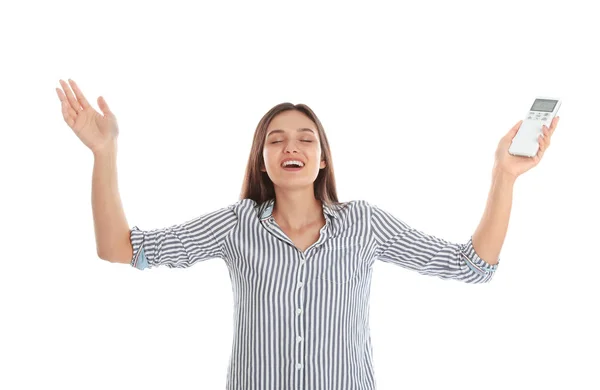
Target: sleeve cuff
476, 263
139, 259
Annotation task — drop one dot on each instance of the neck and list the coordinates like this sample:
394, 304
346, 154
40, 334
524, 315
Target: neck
297, 210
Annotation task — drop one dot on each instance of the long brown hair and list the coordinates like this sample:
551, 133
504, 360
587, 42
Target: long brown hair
257, 184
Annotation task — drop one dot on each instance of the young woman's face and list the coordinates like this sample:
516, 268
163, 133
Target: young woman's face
287, 137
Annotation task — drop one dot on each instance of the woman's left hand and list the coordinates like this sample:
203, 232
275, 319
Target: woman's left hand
517, 165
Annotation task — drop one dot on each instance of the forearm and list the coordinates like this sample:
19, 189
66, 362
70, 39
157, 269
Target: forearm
110, 224
489, 236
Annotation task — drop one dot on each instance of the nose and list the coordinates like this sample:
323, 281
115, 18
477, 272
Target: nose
291, 146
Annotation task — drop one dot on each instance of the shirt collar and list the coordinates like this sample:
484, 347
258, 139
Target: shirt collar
266, 209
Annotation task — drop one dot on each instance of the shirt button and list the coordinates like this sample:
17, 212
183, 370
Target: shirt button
302, 262
299, 366
298, 311
300, 284
299, 338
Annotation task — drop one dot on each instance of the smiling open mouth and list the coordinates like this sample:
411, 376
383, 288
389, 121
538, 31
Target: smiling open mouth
292, 167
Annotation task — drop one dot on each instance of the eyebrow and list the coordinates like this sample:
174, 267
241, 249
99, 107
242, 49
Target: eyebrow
298, 130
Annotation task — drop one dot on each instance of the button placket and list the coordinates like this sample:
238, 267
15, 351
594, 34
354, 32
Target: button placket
299, 319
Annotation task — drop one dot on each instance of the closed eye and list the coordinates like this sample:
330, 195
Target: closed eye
274, 142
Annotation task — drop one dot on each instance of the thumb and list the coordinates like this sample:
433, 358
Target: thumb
104, 107
512, 132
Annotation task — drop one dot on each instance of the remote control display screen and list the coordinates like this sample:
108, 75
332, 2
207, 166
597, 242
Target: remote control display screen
543, 105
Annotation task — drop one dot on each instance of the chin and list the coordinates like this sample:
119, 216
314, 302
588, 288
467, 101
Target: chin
293, 182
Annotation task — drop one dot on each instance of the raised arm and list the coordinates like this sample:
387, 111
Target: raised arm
99, 133
112, 230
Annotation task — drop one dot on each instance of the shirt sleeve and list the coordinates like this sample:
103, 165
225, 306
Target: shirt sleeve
400, 244
182, 245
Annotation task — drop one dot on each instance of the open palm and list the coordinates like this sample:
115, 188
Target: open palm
95, 130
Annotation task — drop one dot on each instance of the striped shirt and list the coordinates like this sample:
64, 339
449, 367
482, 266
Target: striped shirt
301, 319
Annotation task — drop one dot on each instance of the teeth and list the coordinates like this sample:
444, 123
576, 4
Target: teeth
289, 162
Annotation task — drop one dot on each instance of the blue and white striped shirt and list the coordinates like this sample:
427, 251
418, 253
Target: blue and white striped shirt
301, 319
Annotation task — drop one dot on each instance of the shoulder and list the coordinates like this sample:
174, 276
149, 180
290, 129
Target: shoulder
356, 208
243, 205
247, 206
357, 204
364, 208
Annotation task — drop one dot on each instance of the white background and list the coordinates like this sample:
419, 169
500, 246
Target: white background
414, 100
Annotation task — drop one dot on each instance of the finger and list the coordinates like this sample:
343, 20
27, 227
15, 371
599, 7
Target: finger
512, 132
541, 149
547, 136
554, 124
544, 138
82, 100
70, 97
104, 106
515, 128
68, 113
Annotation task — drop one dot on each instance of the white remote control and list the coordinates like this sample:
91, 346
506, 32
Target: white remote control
542, 112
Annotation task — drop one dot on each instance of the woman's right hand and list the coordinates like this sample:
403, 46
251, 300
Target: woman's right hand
96, 131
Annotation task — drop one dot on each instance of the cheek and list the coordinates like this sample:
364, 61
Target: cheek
267, 156
316, 152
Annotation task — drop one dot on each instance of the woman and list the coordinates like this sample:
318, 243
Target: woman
300, 261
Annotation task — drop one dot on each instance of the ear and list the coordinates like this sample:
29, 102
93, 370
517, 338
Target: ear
323, 164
